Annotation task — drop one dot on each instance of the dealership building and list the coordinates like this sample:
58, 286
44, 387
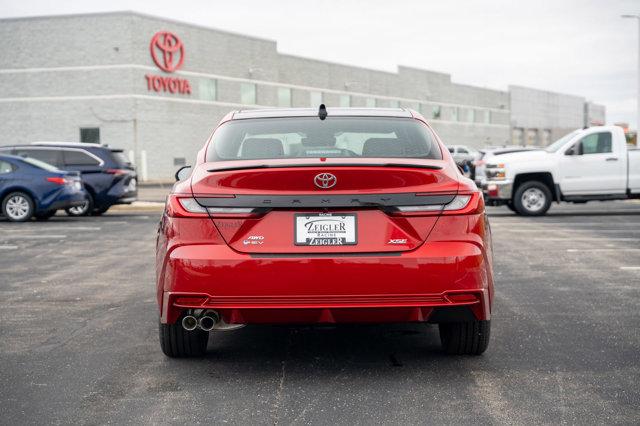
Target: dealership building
157, 87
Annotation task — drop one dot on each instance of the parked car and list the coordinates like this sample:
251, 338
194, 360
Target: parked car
585, 165
463, 153
330, 216
107, 175
30, 188
485, 154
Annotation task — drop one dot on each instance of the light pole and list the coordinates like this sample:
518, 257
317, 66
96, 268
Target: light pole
637, 17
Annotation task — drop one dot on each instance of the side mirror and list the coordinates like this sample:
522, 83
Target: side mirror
574, 150
183, 173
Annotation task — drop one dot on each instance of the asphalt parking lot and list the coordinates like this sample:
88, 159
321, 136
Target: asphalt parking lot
79, 338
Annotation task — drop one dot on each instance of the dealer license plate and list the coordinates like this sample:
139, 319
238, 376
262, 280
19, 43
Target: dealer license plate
325, 229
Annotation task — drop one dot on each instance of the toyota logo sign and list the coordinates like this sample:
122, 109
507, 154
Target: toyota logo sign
167, 51
325, 180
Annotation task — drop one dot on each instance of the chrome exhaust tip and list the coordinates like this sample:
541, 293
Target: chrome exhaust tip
207, 322
189, 322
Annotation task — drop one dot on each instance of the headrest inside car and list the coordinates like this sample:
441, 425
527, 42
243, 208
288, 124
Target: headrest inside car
382, 147
262, 148
319, 141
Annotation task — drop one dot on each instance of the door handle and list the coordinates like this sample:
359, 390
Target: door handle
612, 159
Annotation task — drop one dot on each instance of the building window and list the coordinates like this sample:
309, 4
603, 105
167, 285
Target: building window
208, 89
248, 93
487, 117
393, 103
436, 111
532, 137
345, 101
90, 134
517, 135
284, 97
471, 115
454, 114
370, 102
315, 99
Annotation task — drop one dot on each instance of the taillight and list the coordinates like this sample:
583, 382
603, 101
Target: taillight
185, 206
117, 172
57, 180
244, 212
461, 204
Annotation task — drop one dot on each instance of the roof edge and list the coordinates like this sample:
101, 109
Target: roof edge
138, 14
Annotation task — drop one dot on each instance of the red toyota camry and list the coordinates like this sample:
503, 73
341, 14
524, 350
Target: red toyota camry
336, 215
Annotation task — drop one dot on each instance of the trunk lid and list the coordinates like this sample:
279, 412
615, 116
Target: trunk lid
303, 203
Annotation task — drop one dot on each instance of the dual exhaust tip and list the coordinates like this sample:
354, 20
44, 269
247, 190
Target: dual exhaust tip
205, 322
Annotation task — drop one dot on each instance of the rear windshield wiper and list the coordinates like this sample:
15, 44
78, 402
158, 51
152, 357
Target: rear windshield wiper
283, 166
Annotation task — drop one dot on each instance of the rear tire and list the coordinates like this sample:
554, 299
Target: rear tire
532, 198
465, 338
82, 210
176, 342
18, 207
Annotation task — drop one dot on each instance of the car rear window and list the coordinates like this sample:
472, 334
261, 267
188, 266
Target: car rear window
120, 158
40, 164
5, 167
335, 137
48, 155
79, 158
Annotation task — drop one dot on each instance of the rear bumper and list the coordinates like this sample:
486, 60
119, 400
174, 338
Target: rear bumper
395, 287
65, 198
124, 191
128, 199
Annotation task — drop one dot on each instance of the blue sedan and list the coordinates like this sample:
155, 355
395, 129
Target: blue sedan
31, 188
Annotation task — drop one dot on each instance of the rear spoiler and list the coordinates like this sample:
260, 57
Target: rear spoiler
326, 200
286, 166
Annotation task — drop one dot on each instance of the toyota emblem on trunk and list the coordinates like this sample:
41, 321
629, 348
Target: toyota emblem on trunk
325, 180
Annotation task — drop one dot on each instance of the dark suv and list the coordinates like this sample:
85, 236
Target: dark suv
107, 175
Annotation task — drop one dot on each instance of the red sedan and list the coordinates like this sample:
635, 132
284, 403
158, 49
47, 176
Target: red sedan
338, 215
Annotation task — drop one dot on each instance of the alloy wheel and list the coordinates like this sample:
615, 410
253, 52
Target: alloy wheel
17, 207
79, 210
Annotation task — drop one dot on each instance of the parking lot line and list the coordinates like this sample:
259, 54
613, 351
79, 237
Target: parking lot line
8, 247
630, 268
603, 249
542, 223
538, 230
572, 239
55, 227
31, 237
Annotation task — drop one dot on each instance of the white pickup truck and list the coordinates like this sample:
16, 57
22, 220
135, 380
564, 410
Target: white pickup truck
585, 165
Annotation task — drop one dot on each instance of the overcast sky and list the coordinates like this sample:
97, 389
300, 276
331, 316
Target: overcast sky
570, 46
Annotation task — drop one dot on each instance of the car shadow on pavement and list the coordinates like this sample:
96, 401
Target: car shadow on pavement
328, 347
